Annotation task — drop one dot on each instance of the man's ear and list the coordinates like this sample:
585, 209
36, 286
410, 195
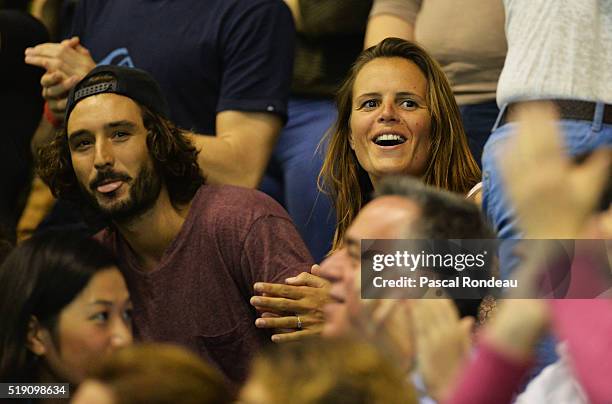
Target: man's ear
37, 335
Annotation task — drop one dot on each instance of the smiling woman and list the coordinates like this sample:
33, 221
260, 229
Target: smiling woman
390, 123
396, 115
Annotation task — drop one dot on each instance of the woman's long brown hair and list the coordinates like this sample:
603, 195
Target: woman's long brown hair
451, 165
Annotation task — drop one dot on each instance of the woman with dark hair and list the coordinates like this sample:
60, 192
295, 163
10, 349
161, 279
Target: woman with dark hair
63, 304
396, 115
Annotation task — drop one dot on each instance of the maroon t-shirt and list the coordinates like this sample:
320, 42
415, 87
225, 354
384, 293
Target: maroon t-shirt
198, 296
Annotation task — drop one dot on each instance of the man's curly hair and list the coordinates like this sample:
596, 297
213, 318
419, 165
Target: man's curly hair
174, 158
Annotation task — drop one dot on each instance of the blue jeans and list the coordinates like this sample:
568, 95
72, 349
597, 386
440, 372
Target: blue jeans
478, 120
580, 137
292, 174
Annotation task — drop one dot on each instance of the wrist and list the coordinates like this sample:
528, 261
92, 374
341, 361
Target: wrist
515, 342
51, 118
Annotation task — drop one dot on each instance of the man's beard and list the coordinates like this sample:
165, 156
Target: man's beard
143, 194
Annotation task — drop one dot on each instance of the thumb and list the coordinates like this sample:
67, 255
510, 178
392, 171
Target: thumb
466, 324
306, 279
316, 270
72, 42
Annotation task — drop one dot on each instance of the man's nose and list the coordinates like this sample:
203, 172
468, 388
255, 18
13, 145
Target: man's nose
104, 154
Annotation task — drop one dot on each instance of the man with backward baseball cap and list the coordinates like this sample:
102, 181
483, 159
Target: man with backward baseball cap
190, 251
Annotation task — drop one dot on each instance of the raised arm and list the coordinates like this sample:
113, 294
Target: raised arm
391, 18
239, 153
256, 54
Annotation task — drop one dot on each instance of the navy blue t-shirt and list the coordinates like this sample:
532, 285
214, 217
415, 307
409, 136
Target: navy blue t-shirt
207, 55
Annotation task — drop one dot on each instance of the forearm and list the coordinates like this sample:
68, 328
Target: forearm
505, 352
222, 162
387, 25
590, 321
491, 377
517, 327
239, 152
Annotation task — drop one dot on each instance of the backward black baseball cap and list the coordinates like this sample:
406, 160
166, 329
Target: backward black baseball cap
127, 81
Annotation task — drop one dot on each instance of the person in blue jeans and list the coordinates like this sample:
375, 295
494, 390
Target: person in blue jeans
580, 136
566, 61
294, 167
327, 43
